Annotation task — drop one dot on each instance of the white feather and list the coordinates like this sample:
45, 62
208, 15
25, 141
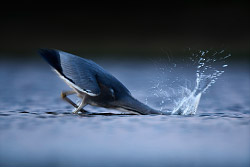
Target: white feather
72, 85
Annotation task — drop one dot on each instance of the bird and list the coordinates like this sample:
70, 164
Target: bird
93, 84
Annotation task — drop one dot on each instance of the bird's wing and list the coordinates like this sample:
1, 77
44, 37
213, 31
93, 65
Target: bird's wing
75, 71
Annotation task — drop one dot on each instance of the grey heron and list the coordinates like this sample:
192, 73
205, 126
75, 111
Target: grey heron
94, 85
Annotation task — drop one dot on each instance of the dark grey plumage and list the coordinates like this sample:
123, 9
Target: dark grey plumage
92, 83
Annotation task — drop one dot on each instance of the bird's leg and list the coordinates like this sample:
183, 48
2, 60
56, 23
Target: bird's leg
79, 108
64, 97
66, 93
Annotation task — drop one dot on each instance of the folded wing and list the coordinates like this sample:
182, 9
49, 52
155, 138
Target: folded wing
75, 71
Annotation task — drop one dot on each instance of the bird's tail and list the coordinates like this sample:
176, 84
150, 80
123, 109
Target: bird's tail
52, 57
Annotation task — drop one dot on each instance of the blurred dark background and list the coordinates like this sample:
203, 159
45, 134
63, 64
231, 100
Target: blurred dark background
147, 30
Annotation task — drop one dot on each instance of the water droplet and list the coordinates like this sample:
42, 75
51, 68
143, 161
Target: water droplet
225, 65
221, 51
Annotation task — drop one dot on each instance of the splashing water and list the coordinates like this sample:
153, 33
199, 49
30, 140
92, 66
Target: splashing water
206, 76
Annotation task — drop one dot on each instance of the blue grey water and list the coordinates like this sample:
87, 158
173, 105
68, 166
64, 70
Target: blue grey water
37, 128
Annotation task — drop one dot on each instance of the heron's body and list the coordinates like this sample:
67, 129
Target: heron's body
92, 83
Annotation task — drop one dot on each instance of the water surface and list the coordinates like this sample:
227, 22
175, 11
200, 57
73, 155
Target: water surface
37, 128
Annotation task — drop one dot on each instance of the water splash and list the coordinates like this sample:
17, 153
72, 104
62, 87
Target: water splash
186, 100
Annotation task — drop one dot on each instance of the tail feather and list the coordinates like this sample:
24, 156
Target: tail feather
52, 57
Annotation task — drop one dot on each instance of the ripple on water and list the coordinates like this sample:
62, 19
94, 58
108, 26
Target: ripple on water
1, 114
24, 112
51, 113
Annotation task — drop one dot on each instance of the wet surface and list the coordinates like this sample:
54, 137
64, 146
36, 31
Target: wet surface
37, 128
